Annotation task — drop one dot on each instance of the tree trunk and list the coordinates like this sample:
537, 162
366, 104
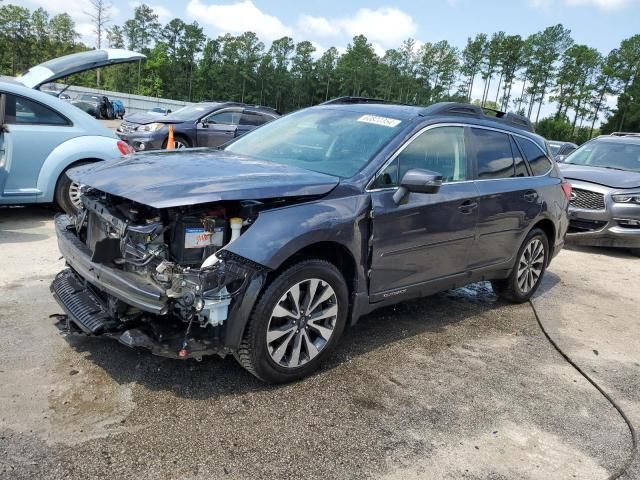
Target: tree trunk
473, 77
524, 85
598, 105
498, 91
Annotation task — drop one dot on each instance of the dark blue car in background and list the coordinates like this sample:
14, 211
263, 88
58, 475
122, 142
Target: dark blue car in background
204, 124
267, 248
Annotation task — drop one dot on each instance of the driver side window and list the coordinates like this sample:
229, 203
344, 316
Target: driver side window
228, 117
439, 149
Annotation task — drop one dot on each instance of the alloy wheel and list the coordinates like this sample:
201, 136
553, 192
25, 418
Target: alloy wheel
302, 322
530, 265
178, 144
74, 195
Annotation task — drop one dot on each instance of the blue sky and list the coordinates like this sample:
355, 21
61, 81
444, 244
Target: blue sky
598, 23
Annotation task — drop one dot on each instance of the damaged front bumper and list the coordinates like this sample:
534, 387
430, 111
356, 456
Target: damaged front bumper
175, 320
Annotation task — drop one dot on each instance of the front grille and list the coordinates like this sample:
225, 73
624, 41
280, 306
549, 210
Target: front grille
579, 226
127, 127
82, 306
587, 200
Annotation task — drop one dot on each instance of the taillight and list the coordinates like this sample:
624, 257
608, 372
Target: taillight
125, 148
566, 188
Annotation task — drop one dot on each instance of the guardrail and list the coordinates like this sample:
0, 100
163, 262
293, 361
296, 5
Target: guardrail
132, 103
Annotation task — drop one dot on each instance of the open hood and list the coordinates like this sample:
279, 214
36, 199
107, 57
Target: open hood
62, 67
602, 176
192, 176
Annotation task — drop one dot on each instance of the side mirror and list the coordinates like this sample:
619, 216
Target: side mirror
560, 158
418, 181
204, 124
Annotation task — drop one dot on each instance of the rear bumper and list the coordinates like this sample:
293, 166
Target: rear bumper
122, 285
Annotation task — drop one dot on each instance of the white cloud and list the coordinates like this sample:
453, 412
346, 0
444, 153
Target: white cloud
238, 18
608, 5
387, 26
317, 25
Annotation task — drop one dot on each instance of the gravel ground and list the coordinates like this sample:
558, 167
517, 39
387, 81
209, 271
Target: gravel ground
454, 386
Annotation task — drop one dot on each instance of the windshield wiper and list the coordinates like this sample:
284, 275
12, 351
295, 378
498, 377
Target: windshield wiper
614, 168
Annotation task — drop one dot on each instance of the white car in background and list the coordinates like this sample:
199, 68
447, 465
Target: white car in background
41, 136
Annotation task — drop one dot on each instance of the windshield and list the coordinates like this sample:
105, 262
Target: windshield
191, 112
617, 155
334, 141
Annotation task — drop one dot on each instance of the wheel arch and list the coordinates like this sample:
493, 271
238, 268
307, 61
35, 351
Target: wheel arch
78, 149
548, 227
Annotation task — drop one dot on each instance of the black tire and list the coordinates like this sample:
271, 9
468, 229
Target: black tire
63, 192
176, 139
635, 251
509, 288
253, 353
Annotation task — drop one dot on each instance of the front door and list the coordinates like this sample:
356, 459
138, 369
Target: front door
218, 128
31, 132
429, 236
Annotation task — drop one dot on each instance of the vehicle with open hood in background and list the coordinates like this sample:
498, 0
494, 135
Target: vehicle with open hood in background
42, 136
267, 248
605, 202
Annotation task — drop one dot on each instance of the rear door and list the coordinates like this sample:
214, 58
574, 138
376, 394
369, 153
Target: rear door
251, 119
219, 127
429, 236
508, 202
34, 131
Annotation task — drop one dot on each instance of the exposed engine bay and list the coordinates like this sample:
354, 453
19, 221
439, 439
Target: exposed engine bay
176, 253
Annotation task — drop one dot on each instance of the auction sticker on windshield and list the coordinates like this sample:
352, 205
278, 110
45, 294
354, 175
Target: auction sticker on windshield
378, 120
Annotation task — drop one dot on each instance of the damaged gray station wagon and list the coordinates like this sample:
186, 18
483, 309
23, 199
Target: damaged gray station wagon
268, 247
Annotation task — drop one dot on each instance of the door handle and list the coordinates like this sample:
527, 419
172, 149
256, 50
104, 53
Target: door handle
468, 206
530, 196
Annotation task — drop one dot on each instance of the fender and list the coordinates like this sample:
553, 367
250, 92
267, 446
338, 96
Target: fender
92, 147
279, 233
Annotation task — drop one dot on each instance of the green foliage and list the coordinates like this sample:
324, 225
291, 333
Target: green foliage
182, 63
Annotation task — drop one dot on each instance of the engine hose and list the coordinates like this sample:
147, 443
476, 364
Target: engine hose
634, 438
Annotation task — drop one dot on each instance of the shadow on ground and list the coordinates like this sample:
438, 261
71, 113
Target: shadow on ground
214, 376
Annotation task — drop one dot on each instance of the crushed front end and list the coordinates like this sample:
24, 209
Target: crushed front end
157, 279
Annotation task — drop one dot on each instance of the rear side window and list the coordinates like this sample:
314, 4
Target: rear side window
22, 111
538, 161
493, 154
253, 119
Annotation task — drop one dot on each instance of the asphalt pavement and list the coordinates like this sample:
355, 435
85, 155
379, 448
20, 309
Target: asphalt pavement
459, 385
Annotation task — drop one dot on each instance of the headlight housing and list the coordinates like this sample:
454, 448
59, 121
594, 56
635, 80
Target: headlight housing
150, 127
631, 197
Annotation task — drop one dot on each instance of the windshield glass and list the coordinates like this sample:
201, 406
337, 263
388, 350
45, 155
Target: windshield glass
621, 156
191, 112
334, 141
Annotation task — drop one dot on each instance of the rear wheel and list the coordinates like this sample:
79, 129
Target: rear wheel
526, 276
296, 322
67, 193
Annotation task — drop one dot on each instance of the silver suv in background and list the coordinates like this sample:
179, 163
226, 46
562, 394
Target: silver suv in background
605, 204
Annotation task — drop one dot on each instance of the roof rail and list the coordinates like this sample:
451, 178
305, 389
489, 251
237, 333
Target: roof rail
625, 134
452, 108
348, 99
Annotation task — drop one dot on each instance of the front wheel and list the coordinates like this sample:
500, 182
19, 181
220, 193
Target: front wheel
67, 193
296, 322
526, 276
